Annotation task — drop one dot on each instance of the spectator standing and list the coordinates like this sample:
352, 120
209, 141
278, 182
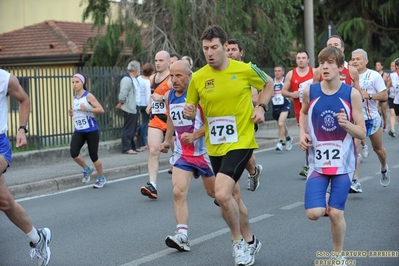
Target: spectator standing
129, 100
145, 94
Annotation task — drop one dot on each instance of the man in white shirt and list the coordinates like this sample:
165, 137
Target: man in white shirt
372, 90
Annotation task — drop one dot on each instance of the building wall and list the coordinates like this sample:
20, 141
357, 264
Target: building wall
16, 14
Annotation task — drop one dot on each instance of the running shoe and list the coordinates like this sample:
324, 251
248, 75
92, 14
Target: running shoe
242, 255
179, 241
86, 174
149, 191
170, 171
253, 180
305, 171
254, 247
356, 187
392, 133
288, 145
365, 151
279, 146
385, 178
101, 181
326, 213
41, 250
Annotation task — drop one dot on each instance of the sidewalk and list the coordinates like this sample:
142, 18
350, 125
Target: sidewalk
52, 170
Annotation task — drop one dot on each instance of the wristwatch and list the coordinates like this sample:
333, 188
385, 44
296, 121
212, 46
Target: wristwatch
370, 96
264, 106
24, 128
163, 98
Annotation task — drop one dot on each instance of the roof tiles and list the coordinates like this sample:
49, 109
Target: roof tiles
49, 38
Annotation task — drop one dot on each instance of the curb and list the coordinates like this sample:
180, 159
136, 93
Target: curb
58, 184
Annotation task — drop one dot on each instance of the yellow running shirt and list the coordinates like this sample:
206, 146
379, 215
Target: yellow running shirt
227, 104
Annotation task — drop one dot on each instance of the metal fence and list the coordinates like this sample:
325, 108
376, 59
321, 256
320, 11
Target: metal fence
51, 95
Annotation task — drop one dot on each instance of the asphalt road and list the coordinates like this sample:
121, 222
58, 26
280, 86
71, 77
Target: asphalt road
116, 225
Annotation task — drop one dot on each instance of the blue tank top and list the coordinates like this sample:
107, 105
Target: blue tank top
176, 105
84, 121
333, 150
278, 100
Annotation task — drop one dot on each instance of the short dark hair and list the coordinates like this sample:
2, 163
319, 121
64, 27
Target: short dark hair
175, 55
378, 61
235, 41
338, 37
281, 67
214, 31
302, 51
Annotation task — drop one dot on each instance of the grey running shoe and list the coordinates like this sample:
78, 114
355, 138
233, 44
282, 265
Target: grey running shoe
86, 175
365, 151
41, 249
255, 247
385, 178
279, 146
392, 133
253, 180
288, 145
242, 255
356, 187
179, 241
305, 171
101, 181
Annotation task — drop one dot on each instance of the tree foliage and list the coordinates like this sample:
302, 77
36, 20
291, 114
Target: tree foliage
270, 30
369, 24
264, 27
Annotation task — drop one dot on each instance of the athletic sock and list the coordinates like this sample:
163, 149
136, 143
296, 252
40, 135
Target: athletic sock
33, 235
182, 228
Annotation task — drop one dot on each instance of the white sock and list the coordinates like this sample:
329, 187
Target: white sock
33, 235
182, 228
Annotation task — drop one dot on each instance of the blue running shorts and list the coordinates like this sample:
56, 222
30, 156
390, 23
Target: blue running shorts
316, 188
199, 165
5, 149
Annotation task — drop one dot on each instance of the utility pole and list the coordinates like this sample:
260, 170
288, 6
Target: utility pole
309, 31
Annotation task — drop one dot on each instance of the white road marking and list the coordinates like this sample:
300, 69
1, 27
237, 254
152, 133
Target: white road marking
193, 242
292, 206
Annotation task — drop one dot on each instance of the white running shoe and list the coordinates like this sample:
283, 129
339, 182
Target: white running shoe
41, 249
86, 174
385, 178
242, 255
179, 241
279, 146
101, 181
288, 145
255, 247
356, 187
365, 151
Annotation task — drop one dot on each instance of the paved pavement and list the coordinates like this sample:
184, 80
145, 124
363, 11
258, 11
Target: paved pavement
49, 171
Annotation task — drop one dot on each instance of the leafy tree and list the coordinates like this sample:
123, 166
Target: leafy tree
116, 39
264, 27
369, 24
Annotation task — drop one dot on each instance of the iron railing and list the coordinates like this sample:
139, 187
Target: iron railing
51, 94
